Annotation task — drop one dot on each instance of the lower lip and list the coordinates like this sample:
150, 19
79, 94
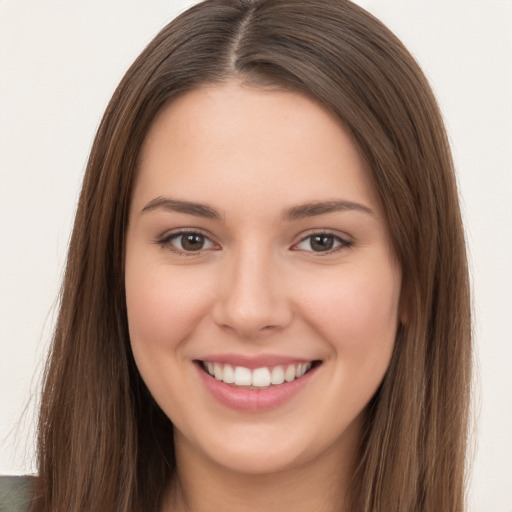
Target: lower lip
253, 399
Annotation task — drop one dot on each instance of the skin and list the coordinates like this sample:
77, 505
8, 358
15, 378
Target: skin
259, 287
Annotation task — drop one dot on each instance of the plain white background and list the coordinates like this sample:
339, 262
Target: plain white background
59, 64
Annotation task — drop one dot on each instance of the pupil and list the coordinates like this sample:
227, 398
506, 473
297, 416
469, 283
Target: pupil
322, 242
192, 242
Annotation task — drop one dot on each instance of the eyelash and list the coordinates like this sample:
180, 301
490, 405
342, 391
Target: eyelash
165, 242
342, 242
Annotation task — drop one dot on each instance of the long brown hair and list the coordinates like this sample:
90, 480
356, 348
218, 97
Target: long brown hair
103, 442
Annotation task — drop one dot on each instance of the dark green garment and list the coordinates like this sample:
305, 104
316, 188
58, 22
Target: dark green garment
15, 492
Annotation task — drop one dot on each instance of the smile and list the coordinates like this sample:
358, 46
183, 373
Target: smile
258, 388
263, 377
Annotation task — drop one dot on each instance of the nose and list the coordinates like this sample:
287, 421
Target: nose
252, 296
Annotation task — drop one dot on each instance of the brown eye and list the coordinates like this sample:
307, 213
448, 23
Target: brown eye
320, 243
187, 242
192, 241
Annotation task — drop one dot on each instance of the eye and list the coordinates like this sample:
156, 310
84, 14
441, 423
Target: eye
187, 242
322, 243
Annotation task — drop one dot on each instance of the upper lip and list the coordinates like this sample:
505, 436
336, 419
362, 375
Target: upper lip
253, 362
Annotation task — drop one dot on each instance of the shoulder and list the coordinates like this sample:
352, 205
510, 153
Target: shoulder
15, 493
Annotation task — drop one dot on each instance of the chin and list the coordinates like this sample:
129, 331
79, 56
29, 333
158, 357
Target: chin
262, 449
255, 461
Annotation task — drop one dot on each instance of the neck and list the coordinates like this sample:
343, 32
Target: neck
201, 485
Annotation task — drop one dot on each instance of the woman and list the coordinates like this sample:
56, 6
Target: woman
266, 299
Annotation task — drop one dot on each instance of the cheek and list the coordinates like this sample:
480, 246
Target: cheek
356, 310
163, 305
356, 314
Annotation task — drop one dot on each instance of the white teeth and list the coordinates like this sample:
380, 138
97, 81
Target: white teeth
217, 371
242, 376
277, 376
303, 368
290, 373
259, 377
229, 374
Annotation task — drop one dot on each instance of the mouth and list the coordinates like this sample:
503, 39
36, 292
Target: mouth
264, 377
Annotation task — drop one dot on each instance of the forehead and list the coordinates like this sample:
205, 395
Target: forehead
244, 142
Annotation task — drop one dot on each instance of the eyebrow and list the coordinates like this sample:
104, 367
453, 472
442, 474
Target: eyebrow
177, 205
290, 214
322, 207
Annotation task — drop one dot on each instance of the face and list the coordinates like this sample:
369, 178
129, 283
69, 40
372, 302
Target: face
261, 288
